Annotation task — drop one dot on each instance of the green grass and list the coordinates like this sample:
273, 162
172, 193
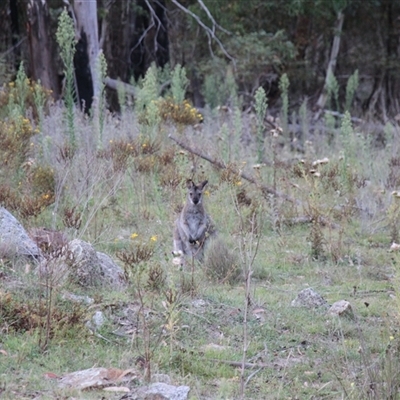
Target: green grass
301, 353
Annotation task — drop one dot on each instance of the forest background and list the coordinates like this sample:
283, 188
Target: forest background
257, 41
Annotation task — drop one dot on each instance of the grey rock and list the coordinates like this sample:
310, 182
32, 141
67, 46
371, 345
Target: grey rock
14, 239
341, 308
161, 391
96, 322
112, 274
81, 264
77, 298
309, 298
164, 378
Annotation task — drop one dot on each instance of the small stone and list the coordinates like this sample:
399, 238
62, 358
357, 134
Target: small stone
341, 308
309, 298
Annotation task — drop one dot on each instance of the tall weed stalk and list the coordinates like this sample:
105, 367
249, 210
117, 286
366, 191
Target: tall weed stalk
284, 88
65, 36
261, 109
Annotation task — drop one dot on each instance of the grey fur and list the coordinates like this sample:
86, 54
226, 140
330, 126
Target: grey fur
193, 225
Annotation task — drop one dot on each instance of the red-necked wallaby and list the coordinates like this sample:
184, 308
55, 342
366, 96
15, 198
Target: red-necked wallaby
193, 225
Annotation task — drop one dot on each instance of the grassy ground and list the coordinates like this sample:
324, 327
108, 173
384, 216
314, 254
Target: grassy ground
333, 234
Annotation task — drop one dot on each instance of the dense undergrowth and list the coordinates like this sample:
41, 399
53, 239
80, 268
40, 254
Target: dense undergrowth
298, 203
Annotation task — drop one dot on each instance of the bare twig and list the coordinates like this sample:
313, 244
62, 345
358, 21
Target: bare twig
209, 32
13, 47
248, 252
240, 364
207, 11
338, 114
266, 190
306, 219
251, 375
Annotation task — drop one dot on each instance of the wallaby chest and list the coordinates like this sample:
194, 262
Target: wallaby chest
194, 216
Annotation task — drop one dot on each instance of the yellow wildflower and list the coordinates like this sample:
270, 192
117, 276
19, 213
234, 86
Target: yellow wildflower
134, 235
154, 238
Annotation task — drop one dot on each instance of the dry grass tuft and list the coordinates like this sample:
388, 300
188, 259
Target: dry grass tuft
221, 264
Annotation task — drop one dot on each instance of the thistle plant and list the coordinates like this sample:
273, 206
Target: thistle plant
332, 90
393, 217
121, 93
39, 99
347, 132
101, 66
351, 88
261, 108
212, 90
284, 88
237, 130
146, 102
231, 88
22, 89
179, 83
388, 131
347, 136
65, 36
225, 137
303, 115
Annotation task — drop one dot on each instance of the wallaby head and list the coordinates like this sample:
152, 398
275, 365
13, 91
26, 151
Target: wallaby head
195, 191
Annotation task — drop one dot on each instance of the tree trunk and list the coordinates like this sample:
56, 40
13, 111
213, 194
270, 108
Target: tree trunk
332, 60
87, 52
41, 46
15, 34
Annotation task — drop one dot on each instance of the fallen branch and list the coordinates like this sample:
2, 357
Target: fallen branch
240, 364
337, 114
117, 84
306, 219
266, 190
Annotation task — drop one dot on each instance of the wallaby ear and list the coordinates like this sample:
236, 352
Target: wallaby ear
203, 184
189, 184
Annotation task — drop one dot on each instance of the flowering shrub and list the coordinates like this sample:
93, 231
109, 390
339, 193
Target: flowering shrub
181, 113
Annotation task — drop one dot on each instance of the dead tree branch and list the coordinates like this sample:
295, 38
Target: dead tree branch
332, 61
209, 32
211, 18
266, 190
117, 84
